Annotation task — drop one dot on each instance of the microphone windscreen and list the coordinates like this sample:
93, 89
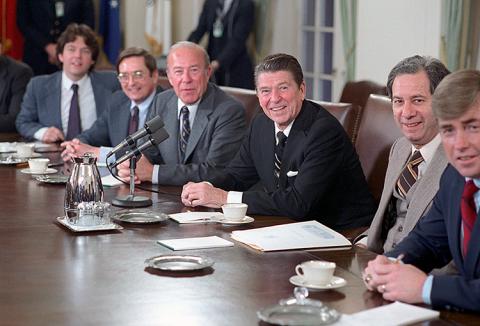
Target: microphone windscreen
158, 136
154, 124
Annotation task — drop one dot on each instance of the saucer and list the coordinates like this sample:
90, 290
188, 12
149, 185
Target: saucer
336, 282
47, 171
245, 220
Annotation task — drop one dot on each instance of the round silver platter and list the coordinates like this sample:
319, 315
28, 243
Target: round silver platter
55, 178
310, 313
10, 160
139, 217
179, 262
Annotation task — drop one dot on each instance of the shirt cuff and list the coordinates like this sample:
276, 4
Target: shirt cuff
38, 135
427, 290
234, 197
102, 155
155, 174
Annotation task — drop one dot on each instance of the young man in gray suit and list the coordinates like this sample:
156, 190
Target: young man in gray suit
406, 197
206, 126
127, 109
59, 106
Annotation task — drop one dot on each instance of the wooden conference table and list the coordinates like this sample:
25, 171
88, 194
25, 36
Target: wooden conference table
52, 276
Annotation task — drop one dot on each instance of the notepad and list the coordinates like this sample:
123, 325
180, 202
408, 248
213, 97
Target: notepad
110, 181
196, 217
396, 313
195, 243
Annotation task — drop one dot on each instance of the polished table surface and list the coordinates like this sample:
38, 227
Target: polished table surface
52, 276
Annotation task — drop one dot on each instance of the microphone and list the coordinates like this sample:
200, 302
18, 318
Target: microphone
150, 127
156, 138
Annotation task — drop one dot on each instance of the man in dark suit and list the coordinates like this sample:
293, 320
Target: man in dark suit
59, 106
206, 126
300, 153
41, 23
228, 24
451, 229
127, 109
14, 77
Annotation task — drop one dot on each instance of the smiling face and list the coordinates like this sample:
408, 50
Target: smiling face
76, 59
188, 73
461, 141
136, 80
412, 108
280, 97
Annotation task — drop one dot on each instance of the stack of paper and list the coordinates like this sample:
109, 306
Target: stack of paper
310, 234
196, 217
396, 313
195, 243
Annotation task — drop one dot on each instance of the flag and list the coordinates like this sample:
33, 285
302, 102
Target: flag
109, 28
12, 40
153, 26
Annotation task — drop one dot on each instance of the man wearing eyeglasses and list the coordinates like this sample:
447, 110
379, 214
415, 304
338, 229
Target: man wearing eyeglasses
59, 106
206, 126
127, 109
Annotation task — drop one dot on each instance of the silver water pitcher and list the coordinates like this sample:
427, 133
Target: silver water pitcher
84, 185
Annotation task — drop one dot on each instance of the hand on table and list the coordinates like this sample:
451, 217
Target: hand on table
75, 148
52, 135
395, 280
203, 194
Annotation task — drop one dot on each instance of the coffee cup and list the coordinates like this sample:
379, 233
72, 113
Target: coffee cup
234, 212
25, 150
38, 165
316, 271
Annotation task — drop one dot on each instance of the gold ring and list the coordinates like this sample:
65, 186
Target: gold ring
383, 287
368, 278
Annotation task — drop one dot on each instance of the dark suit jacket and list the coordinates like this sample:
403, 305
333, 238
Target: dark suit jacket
41, 103
37, 21
437, 239
14, 77
236, 68
329, 187
112, 126
216, 135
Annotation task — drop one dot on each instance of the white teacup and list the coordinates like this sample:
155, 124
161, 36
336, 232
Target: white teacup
38, 165
316, 272
25, 150
234, 212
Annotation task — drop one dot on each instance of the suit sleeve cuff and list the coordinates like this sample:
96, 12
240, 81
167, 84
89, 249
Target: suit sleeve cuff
427, 290
234, 197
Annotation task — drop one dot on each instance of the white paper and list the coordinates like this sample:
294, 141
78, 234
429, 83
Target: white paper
396, 313
195, 243
310, 234
110, 181
196, 217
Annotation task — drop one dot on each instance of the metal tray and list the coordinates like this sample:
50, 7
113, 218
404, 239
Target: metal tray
11, 160
179, 262
298, 314
56, 178
139, 217
75, 228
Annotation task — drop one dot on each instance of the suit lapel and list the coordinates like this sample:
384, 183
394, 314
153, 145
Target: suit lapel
53, 100
453, 220
98, 93
169, 147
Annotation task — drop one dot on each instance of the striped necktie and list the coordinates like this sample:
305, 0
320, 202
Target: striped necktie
74, 124
278, 151
185, 130
469, 213
409, 174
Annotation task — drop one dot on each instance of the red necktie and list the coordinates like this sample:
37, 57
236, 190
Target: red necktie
469, 213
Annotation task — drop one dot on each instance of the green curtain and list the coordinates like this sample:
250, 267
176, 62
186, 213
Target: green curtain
348, 14
263, 29
451, 41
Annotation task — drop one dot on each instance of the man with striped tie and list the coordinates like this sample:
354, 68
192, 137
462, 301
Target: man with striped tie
416, 160
451, 228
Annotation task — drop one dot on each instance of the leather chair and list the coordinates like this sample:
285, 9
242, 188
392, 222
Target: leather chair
376, 133
358, 92
247, 97
346, 113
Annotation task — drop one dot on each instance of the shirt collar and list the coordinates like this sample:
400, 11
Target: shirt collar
145, 104
429, 149
192, 108
285, 131
67, 82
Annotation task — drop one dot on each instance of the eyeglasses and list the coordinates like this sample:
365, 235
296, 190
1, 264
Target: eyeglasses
124, 77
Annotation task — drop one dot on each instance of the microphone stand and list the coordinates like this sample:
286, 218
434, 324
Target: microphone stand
131, 200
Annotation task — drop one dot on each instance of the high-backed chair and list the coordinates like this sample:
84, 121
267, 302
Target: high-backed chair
357, 92
346, 113
247, 97
376, 133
